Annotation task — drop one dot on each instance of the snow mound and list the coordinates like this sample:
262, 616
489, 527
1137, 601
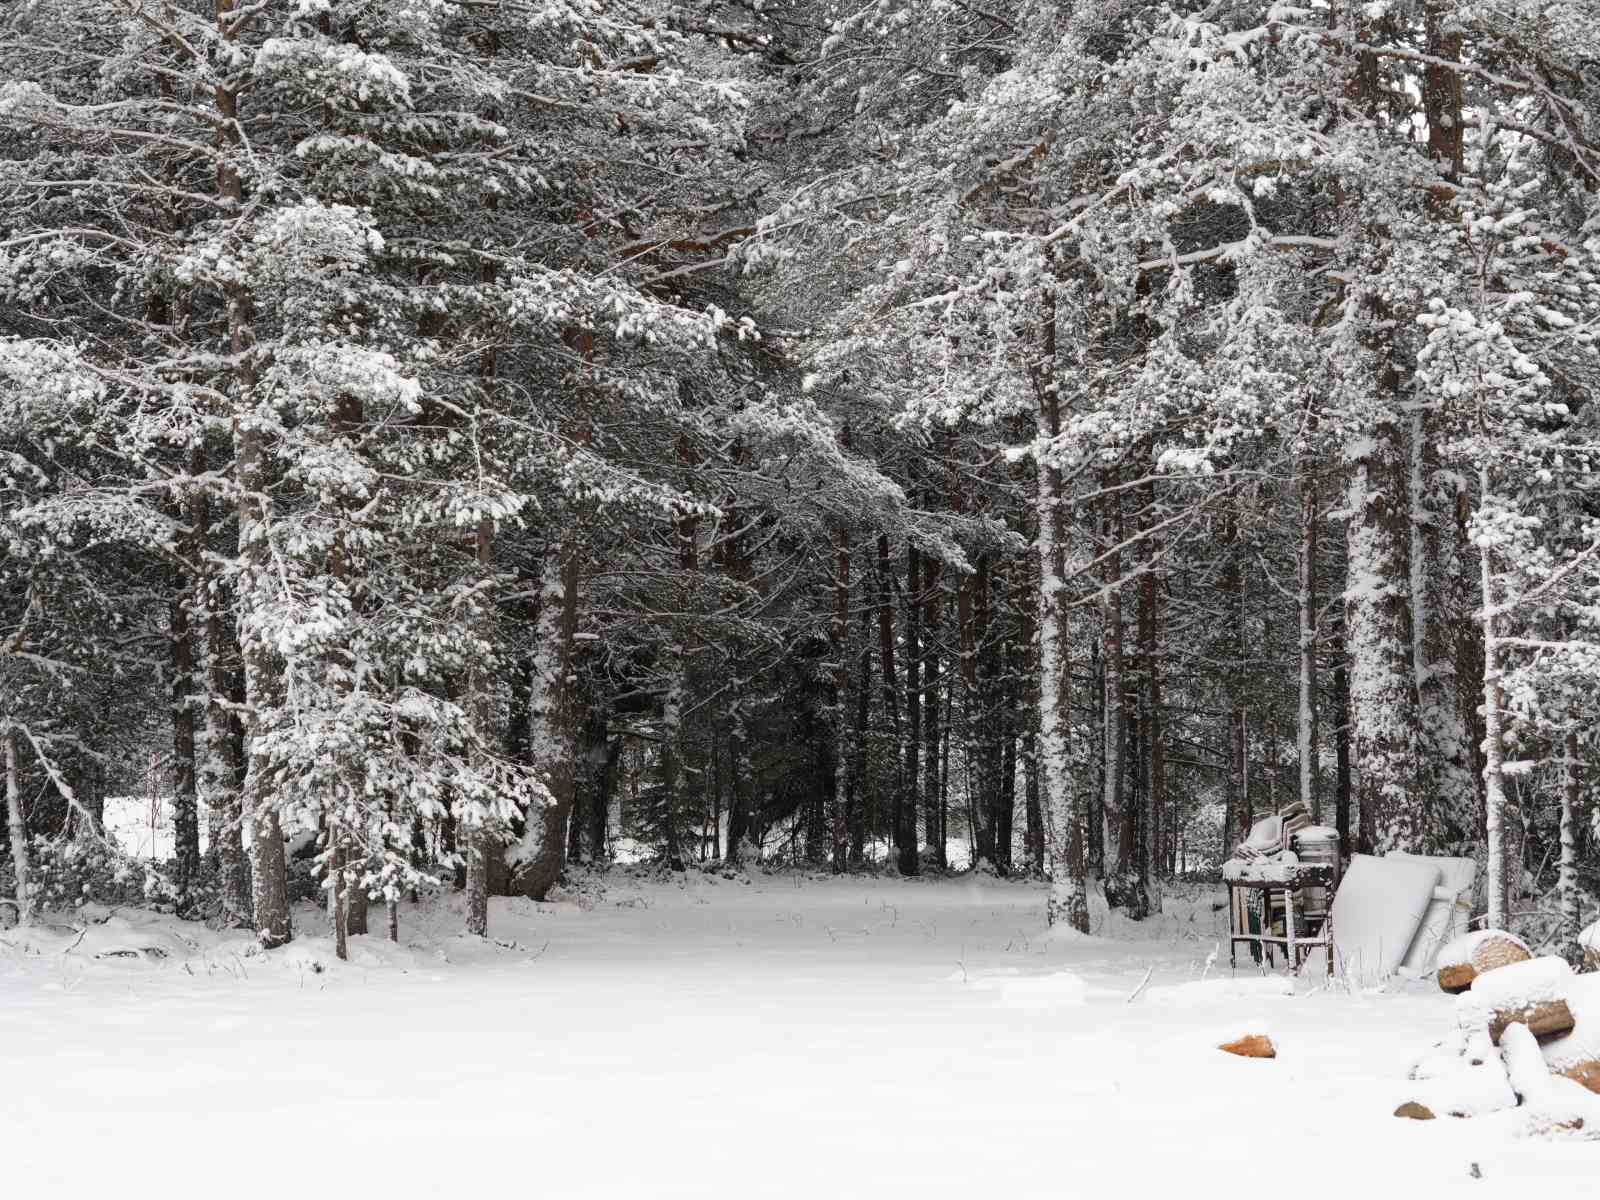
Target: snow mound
1058, 989
1553, 1106
1467, 1091
114, 940
1220, 991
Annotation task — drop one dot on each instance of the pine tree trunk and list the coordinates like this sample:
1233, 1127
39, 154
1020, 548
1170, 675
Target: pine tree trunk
839, 635
483, 838
337, 918
1377, 625
17, 829
1236, 805
932, 616
185, 793
1306, 724
225, 737
1447, 792
1493, 743
1341, 748
1121, 878
739, 814
905, 848
268, 871
1064, 858
538, 858
1155, 762
1571, 897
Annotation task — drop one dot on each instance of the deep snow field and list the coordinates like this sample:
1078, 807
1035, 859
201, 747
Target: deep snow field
771, 1035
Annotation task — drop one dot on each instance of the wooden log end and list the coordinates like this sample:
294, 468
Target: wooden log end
1255, 1045
1458, 978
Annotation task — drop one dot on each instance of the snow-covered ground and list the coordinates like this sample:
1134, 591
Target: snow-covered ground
707, 1037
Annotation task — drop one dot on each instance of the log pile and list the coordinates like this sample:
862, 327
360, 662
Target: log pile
1527, 1045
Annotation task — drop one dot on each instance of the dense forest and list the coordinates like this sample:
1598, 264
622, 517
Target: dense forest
440, 440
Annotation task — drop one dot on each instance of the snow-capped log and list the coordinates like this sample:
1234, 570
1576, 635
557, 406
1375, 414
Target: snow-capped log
1465, 958
1531, 993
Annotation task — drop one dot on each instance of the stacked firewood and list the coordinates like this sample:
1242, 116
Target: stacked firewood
1527, 1038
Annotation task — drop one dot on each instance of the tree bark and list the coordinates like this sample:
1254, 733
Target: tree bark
1122, 887
185, 792
1493, 743
1306, 724
1377, 624
1068, 903
17, 828
932, 616
1571, 896
539, 857
839, 636
483, 838
1155, 752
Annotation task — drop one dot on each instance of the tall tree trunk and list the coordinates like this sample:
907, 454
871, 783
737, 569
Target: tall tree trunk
1121, 878
225, 738
538, 858
483, 837
1068, 903
905, 848
1149, 654
911, 845
268, 870
839, 636
1341, 747
1236, 804
1493, 744
1446, 790
1306, 723
1571, 896
185, 792
1377, 625
17, 829
932, 616
739, 814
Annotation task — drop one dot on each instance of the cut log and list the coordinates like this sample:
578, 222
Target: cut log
1255, 1045
1532, 993
1457, 978
1415, 1111
1465, 958
1548, 1019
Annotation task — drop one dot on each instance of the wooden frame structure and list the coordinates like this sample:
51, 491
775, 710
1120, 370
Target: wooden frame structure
1296, 949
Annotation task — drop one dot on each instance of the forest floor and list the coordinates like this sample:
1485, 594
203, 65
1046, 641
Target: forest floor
697, 1036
